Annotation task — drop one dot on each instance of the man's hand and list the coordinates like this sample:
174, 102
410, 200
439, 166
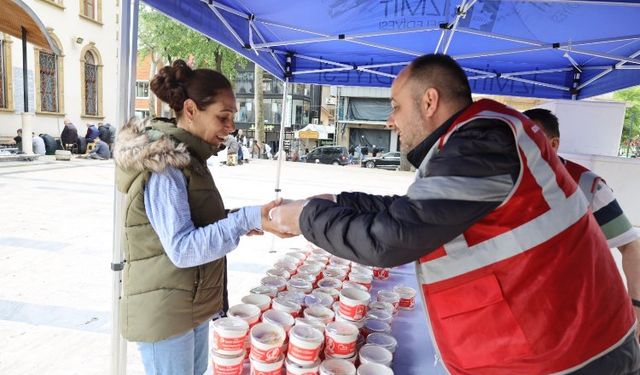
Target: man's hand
267, 224
285, 218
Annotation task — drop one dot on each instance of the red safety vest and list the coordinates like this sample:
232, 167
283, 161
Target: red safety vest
532, 287
586, 179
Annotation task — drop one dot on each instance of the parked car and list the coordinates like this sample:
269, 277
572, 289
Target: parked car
336, 155
390, 160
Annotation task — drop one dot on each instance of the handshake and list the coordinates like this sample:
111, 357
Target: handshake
282, 217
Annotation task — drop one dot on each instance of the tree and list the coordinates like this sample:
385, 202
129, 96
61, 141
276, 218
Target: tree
167, 40
631, 130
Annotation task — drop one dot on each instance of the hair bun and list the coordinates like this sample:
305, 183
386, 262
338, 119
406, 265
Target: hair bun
170, 82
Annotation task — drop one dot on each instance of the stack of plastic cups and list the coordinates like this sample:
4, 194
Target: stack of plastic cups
305, 343
267, 290
363, 278
287, 266
293, 296
340, 341
384, 340
337, 367
300, 285
374, 369
390, 297
407, 297
250, 314
266, 349
318, 297
286, 305
228, 345
262, 301
333, 293
279, 272
375, 354
375, 326
353, 305
282, 319
278, 282
319, 312
380, 273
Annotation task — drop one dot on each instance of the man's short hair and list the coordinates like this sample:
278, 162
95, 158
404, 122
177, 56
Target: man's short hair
547, 119
444, 74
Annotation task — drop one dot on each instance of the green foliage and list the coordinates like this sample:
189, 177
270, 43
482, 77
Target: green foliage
631, 131
171, 40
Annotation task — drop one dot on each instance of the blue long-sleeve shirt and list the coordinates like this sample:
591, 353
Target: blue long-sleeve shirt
167, 207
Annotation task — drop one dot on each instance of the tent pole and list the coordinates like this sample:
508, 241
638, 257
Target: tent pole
281, 157
126, 84
281, 140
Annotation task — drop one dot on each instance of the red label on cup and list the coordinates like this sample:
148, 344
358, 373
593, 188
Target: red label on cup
270, 372
356, 312
227, 370
307, 355
269, 355
407, 302
228, 343
381, 273
341, 349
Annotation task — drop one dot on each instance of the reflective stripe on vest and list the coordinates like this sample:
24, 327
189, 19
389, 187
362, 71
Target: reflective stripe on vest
564, 212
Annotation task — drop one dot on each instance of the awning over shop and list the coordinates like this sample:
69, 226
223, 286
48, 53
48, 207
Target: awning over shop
314, 131
16, 15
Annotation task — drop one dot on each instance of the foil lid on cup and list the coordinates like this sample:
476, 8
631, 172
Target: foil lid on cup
321, 313
374, 369
268, 290
337, 367
382, 315
382, 339
318, 298
375, 354
375, 325
231, 324
279, 282
330, 282
281, 318
279, 272
293, 295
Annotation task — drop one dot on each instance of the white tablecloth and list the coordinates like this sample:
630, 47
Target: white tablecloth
415, 354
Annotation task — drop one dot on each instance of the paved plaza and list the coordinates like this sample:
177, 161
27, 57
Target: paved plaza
56, 221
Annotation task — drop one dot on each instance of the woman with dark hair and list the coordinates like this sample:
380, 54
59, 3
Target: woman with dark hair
176, 228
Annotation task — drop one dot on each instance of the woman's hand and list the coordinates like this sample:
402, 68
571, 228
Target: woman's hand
268, 224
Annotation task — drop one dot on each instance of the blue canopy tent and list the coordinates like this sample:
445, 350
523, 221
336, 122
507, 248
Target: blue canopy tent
560, 49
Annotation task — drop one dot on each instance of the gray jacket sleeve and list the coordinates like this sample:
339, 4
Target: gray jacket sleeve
468, 178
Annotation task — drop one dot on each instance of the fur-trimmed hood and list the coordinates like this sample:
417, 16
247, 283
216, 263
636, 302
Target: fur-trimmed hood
139, 147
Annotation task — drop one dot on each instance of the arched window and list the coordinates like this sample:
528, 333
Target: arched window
49, 79
91, 77
90, 85
5, 73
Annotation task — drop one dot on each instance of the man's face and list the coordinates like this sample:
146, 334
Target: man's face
406, 116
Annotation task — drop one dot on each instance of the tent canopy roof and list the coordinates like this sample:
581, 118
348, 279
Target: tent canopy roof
554, 49
16, 14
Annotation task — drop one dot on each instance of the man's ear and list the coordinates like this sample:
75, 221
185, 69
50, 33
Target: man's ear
555, 143
430, 102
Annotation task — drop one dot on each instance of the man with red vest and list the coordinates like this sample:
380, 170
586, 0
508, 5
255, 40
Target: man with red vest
614, 223
515, 273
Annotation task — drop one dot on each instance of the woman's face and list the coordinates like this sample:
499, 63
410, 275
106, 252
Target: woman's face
215, 122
